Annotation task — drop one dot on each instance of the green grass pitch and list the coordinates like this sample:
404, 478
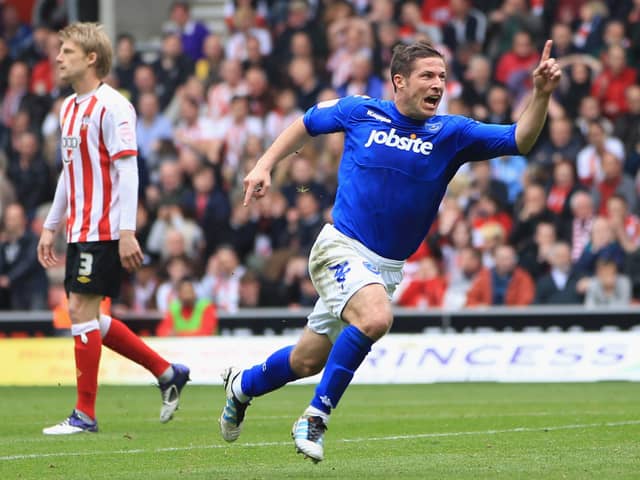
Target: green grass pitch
441, 431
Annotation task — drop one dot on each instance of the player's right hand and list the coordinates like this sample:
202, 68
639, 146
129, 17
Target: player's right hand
256, 184
46, 256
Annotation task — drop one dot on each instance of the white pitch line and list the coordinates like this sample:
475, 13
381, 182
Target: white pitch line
8, 458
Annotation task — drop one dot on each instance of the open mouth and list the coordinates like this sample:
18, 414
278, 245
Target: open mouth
432, 100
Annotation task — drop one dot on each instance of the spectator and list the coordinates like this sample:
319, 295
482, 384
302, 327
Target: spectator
175, 269
17, 97
535, 256
188, 315
486, 213
559, 286
588, 34
220, 95
627, 129
297, 283
614, 180
608, 288
232, 133
411, 25
560, 189
144, 81
476, 82
509, 170
172, 234
426, 287
602, 243
362, 80
194, 130
465, 31
561, 35
299, 19
43, 75
532, 211
221, 282
144, 288
353, 37
256, 292
305, 82
609, 87
17, 34
576, 83
514, 67
436, 12
302, 180
633, 28
282, 115
259, 92
505, 22
7, 192
589, 160
170, 188
210, 206
21, 275
192, 33
245, 27
36, 49
208, 68
127, 60
5, 66
589, 111
153, 130
578, 232
483, 183
310, 220
388, 38
498, 106
563, 142
29, 174
458, 285
625, 225
504, 284
172, 68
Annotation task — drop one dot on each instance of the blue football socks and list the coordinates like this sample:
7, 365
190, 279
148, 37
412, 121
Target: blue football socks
268, 376
348, 352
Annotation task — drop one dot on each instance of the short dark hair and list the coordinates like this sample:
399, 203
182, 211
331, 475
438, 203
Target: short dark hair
405, 55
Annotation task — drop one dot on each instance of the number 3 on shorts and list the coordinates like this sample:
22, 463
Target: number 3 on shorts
86, 264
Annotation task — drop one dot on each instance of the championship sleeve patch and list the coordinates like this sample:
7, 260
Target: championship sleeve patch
328, 103
125, 132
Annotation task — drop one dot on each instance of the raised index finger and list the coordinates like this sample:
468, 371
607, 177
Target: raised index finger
248, 192
546, 51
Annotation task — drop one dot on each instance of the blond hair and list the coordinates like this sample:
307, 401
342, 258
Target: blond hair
91, 37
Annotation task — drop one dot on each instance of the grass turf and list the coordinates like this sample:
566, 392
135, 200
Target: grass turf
441, 431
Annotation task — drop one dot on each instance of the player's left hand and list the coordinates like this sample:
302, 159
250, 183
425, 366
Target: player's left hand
547, 74
130, 252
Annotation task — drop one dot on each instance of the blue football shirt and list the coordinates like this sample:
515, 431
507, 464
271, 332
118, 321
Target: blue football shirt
395, 170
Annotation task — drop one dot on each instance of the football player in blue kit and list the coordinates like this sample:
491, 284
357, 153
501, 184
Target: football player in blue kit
398, 158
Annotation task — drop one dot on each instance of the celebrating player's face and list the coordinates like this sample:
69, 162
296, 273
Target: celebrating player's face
420, 93
72, 61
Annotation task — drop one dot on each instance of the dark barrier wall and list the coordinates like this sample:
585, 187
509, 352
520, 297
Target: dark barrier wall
278, 321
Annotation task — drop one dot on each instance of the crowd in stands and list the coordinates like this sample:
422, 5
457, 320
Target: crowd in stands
558, 226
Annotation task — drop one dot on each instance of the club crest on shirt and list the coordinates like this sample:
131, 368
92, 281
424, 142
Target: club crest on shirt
86, 120
434, 127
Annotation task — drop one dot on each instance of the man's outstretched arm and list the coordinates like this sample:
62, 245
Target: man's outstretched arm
546, 77
258, 180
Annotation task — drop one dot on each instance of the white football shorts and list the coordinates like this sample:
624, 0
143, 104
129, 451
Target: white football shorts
340, 266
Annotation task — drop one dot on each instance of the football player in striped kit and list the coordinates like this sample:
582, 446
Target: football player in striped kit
97, 192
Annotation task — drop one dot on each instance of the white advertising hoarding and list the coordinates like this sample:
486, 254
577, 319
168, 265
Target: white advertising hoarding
498, 357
